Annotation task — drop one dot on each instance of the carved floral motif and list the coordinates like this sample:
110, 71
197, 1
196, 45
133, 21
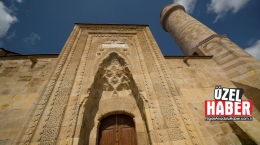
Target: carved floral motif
113, 75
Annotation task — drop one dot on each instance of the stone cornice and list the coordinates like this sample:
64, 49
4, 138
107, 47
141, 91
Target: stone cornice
210, 38
194, 49
128, 27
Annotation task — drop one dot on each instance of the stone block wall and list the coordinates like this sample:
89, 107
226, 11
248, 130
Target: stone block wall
21, 82
241, 68
196, 79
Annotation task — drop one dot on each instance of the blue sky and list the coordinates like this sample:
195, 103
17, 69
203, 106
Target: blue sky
43, 26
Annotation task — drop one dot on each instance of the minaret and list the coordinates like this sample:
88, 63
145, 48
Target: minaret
195, 38
186, 31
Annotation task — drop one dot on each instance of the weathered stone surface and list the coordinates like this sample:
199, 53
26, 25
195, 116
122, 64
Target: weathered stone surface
21, 84
196, 80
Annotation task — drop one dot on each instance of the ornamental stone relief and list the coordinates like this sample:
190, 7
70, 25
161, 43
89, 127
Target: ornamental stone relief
113, 91
114, 75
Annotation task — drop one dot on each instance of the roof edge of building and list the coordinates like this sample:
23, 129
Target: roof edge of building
111, 24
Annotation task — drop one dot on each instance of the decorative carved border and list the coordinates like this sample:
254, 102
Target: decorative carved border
41, 102
173, 92
75, 97
61, 96
161, 91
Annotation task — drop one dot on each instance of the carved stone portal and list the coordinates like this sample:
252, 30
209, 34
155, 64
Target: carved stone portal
113, 91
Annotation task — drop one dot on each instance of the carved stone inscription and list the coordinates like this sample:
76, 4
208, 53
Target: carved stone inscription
114, 44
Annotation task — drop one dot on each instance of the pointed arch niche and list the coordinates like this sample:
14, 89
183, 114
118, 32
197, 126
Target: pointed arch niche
113, 91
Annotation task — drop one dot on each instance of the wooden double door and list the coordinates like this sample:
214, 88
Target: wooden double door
117, 129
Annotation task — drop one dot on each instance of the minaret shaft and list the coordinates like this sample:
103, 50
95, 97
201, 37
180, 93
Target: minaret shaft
194, 37
186, 31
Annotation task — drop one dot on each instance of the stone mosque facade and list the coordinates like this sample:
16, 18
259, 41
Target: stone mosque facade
111, 85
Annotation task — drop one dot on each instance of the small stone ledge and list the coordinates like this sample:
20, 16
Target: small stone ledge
189, 57
17, 57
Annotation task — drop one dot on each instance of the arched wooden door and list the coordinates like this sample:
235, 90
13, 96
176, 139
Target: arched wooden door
117, 129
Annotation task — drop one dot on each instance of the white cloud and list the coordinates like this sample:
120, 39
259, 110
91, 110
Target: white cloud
32, 38
19, 1
254, 50
6, 19
12, 35
221, 7
187, 4
251, 41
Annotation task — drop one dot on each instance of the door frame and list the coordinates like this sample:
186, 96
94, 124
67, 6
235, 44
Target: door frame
116, 117
139, 124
